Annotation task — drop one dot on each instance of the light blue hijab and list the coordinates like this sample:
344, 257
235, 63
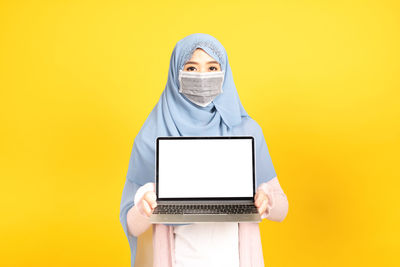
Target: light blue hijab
175, 115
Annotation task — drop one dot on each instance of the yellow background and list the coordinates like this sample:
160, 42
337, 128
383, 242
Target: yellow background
79, 78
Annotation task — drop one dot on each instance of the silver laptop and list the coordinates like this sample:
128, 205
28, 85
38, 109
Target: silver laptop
205, 179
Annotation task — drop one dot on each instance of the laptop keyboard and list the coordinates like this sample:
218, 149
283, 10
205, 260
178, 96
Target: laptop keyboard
205, 209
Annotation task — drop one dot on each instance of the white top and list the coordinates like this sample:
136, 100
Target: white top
213, 244
207, 244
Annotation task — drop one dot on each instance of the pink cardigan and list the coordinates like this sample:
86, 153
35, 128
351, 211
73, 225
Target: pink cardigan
250, 249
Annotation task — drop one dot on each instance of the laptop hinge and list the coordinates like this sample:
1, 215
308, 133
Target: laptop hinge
199, 202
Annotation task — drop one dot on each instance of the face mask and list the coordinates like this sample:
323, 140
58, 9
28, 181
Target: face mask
201, 87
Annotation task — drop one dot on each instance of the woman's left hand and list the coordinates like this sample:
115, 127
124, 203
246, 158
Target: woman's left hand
261, 201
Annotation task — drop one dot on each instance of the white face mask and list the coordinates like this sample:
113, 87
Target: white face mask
201, 87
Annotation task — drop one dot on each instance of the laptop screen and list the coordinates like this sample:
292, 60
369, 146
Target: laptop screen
213, 167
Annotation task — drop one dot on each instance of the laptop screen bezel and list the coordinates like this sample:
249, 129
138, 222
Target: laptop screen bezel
204, 198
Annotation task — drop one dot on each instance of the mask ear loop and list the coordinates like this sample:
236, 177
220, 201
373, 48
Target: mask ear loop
180, 82
222, 83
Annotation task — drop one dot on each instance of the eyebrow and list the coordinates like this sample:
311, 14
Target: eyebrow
195, 63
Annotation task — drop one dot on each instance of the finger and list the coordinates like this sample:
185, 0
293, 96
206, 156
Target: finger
146, 208
150, 197
263, 207
259, 199
153, 198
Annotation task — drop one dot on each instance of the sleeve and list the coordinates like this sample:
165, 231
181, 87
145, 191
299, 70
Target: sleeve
137, 221
278, 204
127, 202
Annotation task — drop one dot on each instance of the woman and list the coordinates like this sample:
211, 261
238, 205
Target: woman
214, 111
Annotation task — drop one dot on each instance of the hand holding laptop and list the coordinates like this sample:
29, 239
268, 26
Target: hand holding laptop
148, 203
261, 201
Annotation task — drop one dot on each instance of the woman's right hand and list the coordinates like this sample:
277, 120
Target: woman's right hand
148, 203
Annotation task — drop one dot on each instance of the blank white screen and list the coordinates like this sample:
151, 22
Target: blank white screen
194, 168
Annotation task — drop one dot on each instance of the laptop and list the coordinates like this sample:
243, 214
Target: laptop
205, 179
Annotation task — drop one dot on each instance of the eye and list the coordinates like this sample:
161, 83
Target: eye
213, 68
191, 69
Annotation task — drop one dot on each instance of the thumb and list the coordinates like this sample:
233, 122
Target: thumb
146, 208
153, 198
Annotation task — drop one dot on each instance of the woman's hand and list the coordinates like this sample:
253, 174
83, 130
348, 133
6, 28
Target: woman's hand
148, 203
261, 201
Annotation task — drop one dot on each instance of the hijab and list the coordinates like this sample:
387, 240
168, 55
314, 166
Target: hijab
175, 115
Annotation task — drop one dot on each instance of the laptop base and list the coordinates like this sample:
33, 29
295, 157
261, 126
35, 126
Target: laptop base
200, 218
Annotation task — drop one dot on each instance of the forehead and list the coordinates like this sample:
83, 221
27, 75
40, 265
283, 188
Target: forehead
200, 55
